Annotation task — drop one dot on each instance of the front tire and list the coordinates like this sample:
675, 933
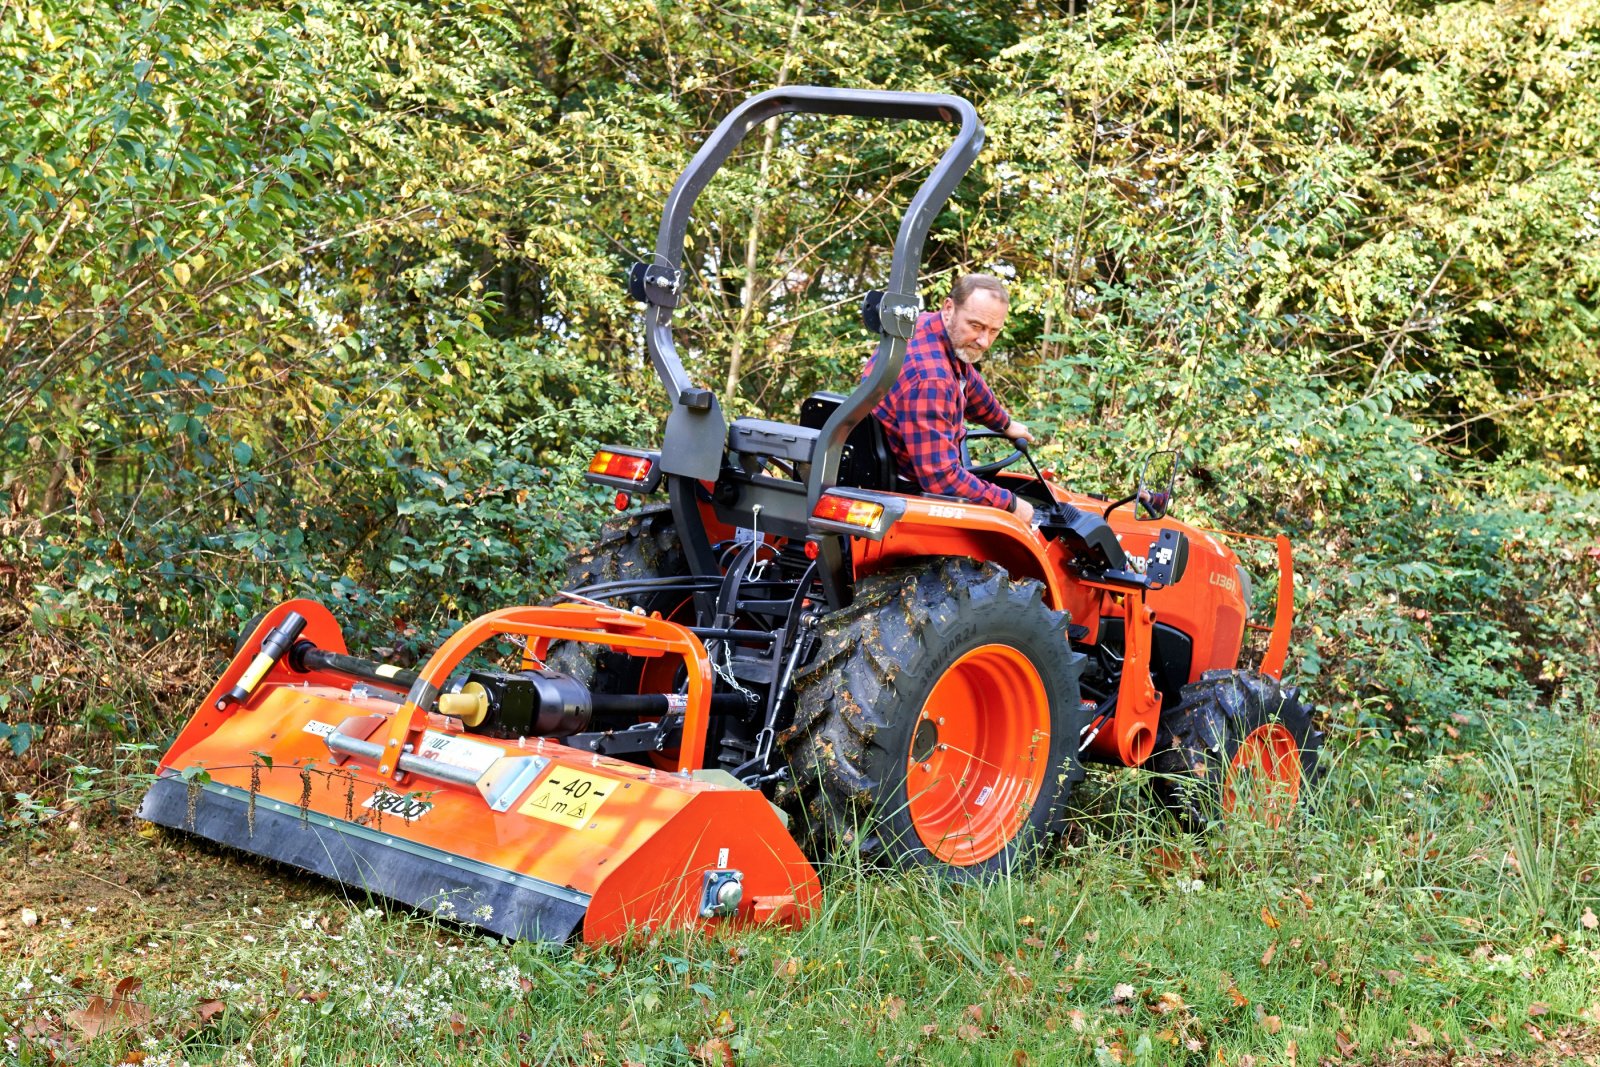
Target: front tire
1236, 744
938, 723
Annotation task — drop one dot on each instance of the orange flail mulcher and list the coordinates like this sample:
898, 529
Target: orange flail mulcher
344, 767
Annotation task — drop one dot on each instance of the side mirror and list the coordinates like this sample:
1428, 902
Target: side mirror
1156, 479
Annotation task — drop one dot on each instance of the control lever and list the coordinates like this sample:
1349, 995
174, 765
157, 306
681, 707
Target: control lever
1024, 446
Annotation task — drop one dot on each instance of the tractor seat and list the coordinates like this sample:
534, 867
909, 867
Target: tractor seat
866, 462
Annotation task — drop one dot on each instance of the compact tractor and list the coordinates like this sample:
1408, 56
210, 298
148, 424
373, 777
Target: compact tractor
790, 644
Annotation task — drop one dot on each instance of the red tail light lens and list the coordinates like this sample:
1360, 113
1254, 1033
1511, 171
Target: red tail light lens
862, 513
616, 465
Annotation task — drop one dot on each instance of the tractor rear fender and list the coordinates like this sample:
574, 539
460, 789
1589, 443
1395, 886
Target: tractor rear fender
932, 526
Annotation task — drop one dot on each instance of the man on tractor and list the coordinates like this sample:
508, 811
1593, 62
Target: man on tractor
940, 387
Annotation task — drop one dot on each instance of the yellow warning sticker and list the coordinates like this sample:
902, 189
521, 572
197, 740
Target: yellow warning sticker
568, 797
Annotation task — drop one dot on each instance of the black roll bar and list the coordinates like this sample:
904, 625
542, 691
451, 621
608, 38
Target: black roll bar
696, 429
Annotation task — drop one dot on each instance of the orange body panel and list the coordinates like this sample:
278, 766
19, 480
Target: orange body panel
638, 850
1207, 605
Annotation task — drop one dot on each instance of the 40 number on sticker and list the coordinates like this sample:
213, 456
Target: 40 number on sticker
568, 797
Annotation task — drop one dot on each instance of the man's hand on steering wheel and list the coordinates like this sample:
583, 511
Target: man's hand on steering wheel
1018, 431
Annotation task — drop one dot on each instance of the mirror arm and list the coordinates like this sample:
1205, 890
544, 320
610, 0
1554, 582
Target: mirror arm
1117, 504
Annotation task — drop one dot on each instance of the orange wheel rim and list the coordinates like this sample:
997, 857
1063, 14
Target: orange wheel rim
1268, 761
978, 755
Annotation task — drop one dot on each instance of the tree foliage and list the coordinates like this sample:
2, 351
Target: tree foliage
325, 297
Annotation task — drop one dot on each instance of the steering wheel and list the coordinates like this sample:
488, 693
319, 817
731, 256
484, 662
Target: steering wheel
986, 470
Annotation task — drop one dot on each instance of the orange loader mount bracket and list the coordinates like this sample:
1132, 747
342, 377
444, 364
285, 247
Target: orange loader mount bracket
526, 838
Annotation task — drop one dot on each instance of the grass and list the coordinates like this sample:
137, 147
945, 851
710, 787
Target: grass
1425, 909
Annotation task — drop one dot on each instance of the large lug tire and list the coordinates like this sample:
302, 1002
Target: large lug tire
1237, 743
938, 723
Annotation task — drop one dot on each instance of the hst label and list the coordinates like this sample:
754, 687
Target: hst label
396, 805
940, 511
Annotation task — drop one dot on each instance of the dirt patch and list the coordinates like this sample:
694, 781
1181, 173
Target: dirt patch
115, 887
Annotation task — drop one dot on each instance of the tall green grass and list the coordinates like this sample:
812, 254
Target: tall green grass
1441, 902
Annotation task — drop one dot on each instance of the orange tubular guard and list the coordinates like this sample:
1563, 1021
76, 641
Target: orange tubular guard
622, 631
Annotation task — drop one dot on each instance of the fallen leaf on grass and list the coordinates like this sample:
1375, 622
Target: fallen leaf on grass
787, 967
101, 1016
968, 1033
44, 1028
1589, 919
1421, 1034
1346, 1044
1270, 919
1238, 998
1016, 981
204, 1012
1266, 957
714, 1051
1167, 1002
1270, 1023
1122, 992
1538, 1008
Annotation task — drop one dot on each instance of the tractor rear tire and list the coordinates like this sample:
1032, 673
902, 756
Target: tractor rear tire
1235, 737
938, 723
640, 544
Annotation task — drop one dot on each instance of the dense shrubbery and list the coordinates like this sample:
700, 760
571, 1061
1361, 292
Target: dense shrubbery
323, 298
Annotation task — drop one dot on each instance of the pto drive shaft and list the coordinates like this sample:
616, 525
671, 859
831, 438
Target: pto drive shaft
530, 703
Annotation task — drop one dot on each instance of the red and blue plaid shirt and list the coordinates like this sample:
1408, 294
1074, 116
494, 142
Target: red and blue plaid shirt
924, 416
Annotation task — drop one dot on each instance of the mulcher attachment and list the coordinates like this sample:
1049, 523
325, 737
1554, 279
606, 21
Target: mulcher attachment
365, 782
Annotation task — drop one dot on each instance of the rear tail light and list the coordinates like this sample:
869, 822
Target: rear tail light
864, 514
617, 465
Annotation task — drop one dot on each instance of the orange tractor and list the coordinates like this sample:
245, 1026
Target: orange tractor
792, 638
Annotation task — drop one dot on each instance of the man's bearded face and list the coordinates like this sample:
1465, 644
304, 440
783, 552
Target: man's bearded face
975, 325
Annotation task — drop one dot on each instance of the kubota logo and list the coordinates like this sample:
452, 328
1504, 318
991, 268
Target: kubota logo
1218, 578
